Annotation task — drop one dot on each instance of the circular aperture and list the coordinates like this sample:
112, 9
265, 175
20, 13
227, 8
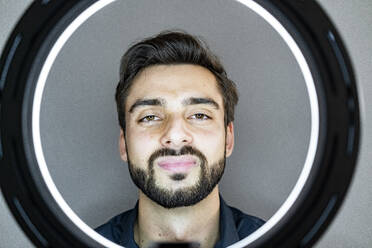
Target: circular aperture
320, 59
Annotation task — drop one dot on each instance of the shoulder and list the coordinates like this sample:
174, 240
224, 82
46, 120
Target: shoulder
115, 227
245, 224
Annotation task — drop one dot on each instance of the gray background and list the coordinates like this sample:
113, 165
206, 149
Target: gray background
78, 119
79, 129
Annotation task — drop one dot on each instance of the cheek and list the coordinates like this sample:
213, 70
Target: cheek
211, 143
140, 147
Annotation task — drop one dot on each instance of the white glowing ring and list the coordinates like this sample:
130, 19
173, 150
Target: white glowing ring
314, 133
309, 157
36, 121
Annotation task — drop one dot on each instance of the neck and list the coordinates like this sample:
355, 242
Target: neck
198, 223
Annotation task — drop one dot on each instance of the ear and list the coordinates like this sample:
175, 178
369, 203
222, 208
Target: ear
122, 150
229, 139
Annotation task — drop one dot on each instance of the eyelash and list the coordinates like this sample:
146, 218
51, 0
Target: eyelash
144, 118
205, 117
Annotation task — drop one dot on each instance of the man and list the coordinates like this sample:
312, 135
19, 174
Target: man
176, 110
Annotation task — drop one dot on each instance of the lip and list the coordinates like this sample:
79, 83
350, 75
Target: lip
177, 164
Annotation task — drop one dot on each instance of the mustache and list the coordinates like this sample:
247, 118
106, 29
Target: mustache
171, 152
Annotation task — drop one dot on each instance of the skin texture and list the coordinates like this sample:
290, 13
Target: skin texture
174, 124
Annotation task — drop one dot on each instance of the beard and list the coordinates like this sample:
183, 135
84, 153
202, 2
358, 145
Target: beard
208, 179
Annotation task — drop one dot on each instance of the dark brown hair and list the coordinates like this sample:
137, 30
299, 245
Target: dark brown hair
170, 48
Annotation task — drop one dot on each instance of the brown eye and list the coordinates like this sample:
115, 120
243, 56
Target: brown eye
149, 118
200, 116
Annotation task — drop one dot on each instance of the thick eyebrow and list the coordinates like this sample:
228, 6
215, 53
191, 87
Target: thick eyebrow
161, 102
200, 100
146, 102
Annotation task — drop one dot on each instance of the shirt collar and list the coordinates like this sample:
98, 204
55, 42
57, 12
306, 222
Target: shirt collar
228, 231
127, 239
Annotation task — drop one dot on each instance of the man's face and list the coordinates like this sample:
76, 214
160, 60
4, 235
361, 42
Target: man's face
175, 140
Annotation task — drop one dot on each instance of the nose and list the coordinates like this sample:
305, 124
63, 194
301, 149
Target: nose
176, 135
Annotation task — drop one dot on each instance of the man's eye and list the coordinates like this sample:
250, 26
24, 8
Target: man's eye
149, 118
200, 116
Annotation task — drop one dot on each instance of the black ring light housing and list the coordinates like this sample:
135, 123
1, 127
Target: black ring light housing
42, 218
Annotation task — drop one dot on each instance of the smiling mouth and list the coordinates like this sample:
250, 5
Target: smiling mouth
178, 164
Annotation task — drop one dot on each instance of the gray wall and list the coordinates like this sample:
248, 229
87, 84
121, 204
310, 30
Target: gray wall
79, 129
81, 158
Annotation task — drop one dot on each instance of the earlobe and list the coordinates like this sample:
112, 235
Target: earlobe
229, 139
122, 148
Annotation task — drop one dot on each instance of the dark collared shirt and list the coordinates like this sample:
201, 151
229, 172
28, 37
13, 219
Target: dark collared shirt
234, 226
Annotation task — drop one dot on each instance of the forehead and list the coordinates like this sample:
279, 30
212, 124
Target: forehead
174, 81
